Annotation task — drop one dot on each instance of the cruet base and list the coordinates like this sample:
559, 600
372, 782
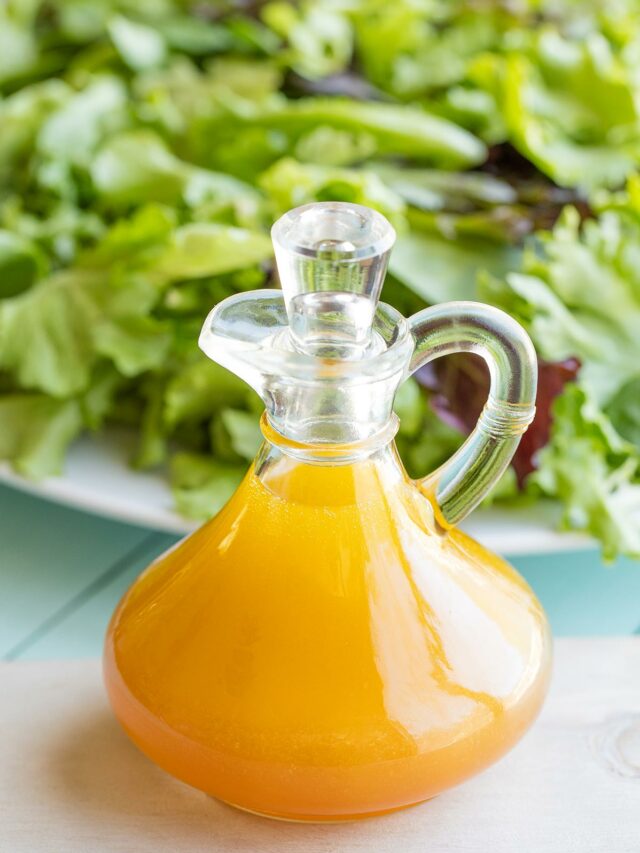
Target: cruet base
349, 818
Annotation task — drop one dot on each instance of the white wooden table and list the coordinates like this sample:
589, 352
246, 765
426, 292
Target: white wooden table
71, 781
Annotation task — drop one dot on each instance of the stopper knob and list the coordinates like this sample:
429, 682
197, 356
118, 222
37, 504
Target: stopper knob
332, 258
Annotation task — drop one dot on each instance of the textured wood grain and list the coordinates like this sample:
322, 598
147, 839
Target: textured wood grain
71, 781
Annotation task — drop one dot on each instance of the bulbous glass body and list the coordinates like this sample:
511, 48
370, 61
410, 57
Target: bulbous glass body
322, 649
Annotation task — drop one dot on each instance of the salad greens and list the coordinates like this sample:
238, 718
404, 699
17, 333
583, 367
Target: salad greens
578, 293
146, 147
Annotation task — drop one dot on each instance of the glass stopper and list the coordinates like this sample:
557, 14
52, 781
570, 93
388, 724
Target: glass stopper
332, 258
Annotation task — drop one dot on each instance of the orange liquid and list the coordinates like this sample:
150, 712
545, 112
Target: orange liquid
318, 651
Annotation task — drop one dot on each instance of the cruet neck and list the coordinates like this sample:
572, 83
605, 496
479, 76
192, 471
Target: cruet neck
334, 452
323, 353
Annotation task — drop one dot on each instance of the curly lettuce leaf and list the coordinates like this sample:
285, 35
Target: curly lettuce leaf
594, 472
571, 108
410, 48
624, 411
579, 295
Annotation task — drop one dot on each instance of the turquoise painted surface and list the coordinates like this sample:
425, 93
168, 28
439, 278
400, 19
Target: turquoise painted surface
56, 563
582, 595
63, 571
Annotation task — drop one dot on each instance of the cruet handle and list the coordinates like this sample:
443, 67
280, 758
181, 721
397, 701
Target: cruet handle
459, 485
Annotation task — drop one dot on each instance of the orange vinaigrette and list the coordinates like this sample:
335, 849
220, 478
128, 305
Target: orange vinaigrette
330, 646
319, 650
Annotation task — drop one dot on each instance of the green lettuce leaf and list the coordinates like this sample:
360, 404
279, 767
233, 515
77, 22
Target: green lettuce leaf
409, 405
411, 49
329, 146
400, 130
624, 411
579, 295
319, 40
18, 47
289, 184
36, 432
137, 167
134, 344
139, 45
571, 108
439, 269
594, 472
73, 132
201, 486
152, 447
21, 264
205, 249
62, 235
436, 189
133, 241
244, 432
98, 401
199, 390
195, 36
431, 445
21, 117
45, 335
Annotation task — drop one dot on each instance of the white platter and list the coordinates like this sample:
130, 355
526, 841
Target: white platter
98, 480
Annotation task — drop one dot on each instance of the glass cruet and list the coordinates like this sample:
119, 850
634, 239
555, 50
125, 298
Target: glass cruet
330, 646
